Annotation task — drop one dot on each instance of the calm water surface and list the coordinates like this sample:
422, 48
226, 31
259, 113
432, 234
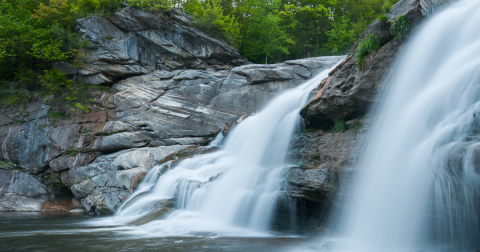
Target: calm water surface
67, 232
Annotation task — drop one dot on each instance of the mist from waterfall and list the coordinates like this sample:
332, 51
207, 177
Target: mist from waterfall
232, 191
418, 183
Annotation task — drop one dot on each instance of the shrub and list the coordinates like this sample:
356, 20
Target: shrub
212, 20
56, 114
383, 19
88, 7
152, 5
13, 97
53, 80
400, 27
369, 43
339, 125
386, 7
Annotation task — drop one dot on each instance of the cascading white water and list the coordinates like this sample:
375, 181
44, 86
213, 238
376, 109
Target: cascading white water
231, 191
418, 183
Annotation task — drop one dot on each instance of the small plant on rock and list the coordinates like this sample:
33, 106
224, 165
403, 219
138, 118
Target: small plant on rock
400, 27
367, 45
339, 125
383, 19
72, 152
387, 7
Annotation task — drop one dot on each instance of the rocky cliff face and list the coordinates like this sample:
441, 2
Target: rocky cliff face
133, 42
173, 89
350, 91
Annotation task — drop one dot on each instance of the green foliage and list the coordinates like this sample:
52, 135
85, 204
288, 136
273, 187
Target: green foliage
83, 108
89, 7
10, 97
53, 81
56, 114
151, 5
340, 36
400, 27
339, 125
72, 152
6, 164
369, 43
34, 34
386, 7
211, 19
383, 18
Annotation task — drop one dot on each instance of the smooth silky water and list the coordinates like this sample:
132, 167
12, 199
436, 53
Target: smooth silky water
230, 192
221, 201
66, 232
417, 187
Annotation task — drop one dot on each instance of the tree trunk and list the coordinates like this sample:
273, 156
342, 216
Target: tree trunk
266, 58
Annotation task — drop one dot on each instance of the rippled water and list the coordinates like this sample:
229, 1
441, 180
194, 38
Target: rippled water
67, 232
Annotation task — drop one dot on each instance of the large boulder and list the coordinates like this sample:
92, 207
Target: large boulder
350, 90
20, 191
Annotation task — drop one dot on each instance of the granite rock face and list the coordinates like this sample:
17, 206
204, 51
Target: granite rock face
134, 42
20, 191
102, 185
101, 156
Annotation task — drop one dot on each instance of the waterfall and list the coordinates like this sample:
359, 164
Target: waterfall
418, 182
230, 191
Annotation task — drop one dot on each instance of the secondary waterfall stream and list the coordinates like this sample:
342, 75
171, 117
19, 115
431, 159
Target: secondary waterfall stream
418, 184
231, 191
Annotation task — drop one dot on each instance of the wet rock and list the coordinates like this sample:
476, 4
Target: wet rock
311, 184
14, 202
78, 210
229, 126
26, 185
103, 184
322, 166
60, 206
20, 191
160, 209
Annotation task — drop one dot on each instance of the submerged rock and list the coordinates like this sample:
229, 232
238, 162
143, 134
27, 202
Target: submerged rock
159, 210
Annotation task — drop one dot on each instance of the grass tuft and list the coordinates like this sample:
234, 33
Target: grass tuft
339, 125
369, 43
400, 27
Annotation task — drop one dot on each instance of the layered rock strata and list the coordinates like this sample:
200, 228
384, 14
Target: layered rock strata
147, 115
